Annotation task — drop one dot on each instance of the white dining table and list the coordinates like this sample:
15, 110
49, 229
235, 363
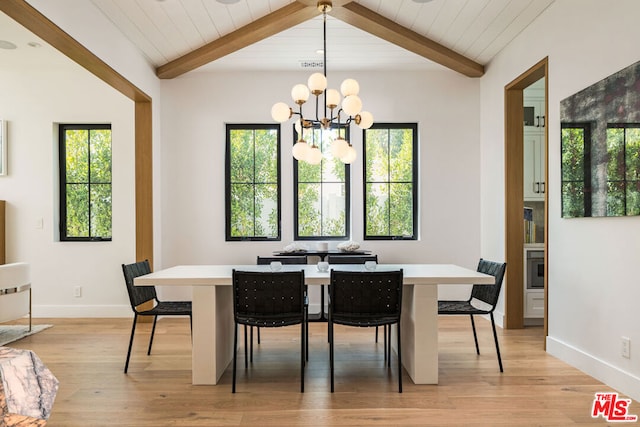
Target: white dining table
212, 316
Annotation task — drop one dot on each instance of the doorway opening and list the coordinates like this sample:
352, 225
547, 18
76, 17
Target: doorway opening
515, 235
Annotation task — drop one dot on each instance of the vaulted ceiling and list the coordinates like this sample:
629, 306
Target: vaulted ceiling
180, 36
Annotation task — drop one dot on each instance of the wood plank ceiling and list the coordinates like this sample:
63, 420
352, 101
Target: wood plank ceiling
179, 36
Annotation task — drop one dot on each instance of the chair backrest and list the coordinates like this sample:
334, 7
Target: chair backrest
351, 259
266, 260
138, 294
366, 294
489, 293
268, 298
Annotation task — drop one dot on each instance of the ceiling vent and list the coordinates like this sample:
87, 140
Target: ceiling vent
312, 63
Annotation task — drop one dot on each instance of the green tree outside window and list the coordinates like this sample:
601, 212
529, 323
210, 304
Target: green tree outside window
390, 181
321, 191
85, 182
253, 182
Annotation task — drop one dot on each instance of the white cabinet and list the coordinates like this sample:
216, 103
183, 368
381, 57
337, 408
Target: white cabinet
534, 166
533, 304
534, 282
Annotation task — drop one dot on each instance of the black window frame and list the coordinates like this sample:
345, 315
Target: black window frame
347, 184
415, 182
229, 127
62, 178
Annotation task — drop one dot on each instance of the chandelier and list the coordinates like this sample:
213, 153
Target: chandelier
341, 118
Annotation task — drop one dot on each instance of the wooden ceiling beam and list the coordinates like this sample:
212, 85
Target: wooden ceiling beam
367, 20
282, 19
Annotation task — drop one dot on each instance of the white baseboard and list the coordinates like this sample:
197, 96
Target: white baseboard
614, 377
72, 311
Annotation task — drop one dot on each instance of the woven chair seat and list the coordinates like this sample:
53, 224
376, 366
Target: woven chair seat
169, 308
364, 320
272, 321
459, 307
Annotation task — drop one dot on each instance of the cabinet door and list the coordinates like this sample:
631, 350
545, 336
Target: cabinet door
533, 171
534, 114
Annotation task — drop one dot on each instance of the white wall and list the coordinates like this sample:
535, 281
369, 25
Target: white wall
86, 24
196, 106
34, 99
593, 273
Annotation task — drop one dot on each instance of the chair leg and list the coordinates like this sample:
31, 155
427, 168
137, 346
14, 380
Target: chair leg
376, 334
330, 326
303, 332
153, 331
475, 336
399, 357
387, 331
306, 332
251, 345
258, 334
495, 337
235, 356
246, 355
133, 329
386, 346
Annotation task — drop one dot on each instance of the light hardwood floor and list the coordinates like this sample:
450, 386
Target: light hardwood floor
87, 356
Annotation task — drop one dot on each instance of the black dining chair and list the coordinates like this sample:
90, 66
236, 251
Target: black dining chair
139, 295
269, 300
486, 295
361, 259
266, 260
365, 299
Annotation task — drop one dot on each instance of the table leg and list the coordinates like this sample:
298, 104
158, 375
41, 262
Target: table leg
420, 333
212, 348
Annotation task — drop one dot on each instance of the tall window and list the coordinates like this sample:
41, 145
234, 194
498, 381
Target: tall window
391, 181
253, 182
321, 192
85, 182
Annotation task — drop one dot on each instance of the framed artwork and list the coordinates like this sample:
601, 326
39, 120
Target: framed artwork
3, 147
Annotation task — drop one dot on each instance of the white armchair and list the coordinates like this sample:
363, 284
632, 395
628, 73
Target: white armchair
15, 291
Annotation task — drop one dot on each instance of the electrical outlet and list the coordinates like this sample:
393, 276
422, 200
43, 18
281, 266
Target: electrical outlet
626, 347
77, 291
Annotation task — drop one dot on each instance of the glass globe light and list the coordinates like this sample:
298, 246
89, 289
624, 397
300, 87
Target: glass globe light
280, 112
365, 120
317, 83
300, 150
333, 98
314, 157
300, 94
352, 105
351, 155
349, 87
339, 147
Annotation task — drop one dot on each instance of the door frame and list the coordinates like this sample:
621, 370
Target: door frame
514, 194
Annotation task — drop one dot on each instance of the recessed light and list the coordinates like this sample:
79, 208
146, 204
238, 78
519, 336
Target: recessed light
4, 44
228, 1
34, 44
422, 1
